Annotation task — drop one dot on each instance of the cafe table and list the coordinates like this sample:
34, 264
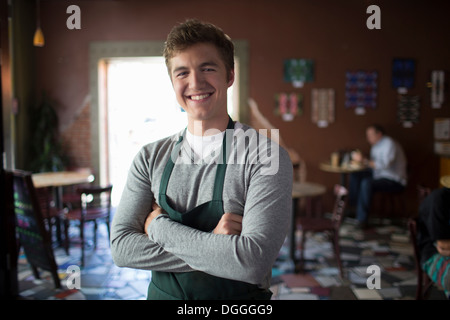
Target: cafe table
60, 179
343, 169
301, 190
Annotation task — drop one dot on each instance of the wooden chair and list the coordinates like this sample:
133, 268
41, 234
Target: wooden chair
32, 234
50, 213
424, 282
94, 205
422, 192
70, 196
330, 226
389, 204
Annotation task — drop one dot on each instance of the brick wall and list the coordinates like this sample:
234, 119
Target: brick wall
76, 139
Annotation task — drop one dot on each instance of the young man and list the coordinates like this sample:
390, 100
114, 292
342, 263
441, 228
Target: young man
387, 172
207, 210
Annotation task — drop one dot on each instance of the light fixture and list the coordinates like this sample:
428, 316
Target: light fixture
38, 39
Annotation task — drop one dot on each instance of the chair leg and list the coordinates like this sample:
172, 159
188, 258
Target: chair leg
108, 226
300, 267
95, 234
82, 242
337, 252
35, 272
66, 235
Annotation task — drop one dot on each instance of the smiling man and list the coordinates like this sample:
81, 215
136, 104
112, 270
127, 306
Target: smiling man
200, 209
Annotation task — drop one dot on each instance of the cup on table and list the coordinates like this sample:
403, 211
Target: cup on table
335, 159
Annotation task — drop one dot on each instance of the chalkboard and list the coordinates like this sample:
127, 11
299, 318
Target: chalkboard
30, 227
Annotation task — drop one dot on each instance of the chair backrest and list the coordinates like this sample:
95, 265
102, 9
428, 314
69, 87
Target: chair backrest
341, 194
95, 197
422, 192
30, 228
412, 226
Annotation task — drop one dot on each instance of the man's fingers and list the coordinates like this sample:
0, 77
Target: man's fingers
232, 216
230, 223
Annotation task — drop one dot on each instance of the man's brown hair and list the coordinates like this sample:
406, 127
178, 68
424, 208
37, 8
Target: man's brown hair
194, 31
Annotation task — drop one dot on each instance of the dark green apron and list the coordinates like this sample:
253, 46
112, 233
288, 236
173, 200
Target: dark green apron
197, 284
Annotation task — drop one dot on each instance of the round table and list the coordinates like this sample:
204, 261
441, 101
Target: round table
61, 178
342, 170
307, 189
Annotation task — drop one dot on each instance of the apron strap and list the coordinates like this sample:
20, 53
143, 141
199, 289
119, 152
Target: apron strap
169, 166
222, 167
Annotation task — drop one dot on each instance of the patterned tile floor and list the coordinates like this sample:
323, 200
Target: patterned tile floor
384, 245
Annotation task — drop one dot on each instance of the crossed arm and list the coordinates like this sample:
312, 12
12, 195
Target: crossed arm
241, 248
229, 224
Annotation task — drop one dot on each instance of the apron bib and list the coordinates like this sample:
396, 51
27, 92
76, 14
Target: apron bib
199, 285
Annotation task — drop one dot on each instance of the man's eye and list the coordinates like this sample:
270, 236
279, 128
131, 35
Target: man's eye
182, 74
208, 69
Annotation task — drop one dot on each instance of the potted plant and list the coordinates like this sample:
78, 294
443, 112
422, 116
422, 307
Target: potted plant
46, 149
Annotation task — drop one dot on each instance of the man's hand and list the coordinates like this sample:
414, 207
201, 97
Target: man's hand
152, 215
443, 247
230, 223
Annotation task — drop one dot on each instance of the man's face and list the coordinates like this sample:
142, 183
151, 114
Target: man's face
372, 135
199, 78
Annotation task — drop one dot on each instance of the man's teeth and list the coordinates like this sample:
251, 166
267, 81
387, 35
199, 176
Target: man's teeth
200, 97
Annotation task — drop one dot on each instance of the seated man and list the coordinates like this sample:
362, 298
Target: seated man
433, 236
387, 172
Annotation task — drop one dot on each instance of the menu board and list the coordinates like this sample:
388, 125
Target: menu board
30, 228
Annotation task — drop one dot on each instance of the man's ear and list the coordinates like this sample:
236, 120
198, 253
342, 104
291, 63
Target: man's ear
231, 78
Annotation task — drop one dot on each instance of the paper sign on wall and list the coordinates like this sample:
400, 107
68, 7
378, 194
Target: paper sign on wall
288, 105
298, 71
403, 74
361, 90
322, 105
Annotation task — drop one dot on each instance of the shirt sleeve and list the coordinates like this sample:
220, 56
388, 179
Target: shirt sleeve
130, 246
249, 256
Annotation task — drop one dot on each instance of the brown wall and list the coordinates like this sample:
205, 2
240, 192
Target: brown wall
333, 33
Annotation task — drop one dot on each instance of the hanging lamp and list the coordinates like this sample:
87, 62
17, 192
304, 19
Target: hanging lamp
38, 39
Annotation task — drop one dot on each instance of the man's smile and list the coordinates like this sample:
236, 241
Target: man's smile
199, 97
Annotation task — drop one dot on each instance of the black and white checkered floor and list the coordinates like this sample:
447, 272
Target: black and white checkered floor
384, 245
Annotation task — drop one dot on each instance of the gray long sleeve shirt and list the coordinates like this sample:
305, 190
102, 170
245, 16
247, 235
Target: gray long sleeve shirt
257, 185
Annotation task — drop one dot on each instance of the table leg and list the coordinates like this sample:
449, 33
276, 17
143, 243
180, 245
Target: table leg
58, 194
344, 179
293, 228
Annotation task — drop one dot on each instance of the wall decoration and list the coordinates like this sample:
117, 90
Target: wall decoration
442, 129
298, 71
288, 105
408, 110
437, 88
403, 74
361, 90
322, 105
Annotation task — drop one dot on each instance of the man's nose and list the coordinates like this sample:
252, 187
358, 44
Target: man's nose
196, 81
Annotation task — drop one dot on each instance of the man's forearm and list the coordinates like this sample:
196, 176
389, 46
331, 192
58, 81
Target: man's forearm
244, 258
